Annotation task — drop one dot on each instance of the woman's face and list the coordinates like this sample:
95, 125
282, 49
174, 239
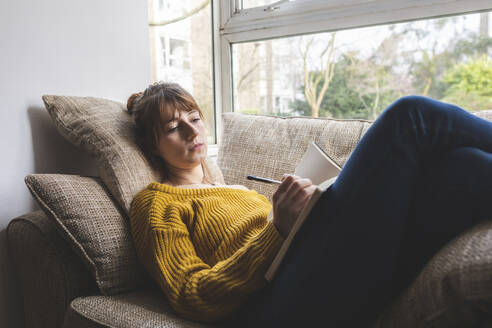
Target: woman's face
183, 141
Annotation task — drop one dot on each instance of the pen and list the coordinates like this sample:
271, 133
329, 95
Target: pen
253, 177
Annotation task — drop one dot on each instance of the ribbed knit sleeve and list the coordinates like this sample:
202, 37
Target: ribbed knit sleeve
200, 288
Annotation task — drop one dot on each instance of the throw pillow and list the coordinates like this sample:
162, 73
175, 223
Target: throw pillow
93, 224
105, 130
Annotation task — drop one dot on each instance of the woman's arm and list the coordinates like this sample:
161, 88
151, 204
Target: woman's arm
199, 291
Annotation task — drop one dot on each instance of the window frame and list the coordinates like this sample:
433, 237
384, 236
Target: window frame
314, 16
231, 24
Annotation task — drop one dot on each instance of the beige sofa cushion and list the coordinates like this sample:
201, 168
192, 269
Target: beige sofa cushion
485, 114
91, 221
131, 310
105, 130
271, 146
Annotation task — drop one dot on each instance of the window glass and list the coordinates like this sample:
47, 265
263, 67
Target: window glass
179, 56
163, 50
181, 50
357, 73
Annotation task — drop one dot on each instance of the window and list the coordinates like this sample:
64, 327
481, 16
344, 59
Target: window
181, 50
351, 58
357, 73
336, 58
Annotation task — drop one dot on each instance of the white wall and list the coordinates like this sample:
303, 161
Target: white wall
84, 48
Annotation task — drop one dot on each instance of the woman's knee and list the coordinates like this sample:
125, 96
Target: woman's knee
405, 104
420, 103
415, 110
401, 110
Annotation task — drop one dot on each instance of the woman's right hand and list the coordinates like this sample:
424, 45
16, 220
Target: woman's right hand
288, 200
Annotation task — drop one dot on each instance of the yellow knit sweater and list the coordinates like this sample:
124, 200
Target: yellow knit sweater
207, 248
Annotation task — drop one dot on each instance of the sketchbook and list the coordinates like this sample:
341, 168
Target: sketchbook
322, 171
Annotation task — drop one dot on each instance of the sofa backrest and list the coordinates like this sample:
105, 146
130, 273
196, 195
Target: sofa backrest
485, 114
270, 146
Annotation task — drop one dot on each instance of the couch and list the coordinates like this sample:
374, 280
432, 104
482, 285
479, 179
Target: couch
77, 263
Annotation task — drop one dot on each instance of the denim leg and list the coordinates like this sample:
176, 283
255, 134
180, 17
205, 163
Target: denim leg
454, 194
340, 269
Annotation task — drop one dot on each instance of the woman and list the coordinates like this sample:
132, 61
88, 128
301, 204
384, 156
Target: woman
420, 176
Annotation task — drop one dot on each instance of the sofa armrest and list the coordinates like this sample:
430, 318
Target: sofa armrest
51, 274
453, 290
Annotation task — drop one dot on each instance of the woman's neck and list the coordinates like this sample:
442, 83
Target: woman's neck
185, 177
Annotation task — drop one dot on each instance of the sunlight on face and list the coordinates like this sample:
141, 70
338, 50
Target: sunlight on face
183, 141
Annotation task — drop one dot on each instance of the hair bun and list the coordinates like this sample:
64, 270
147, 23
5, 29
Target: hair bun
130, 103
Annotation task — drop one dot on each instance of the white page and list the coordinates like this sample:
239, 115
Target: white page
316, 166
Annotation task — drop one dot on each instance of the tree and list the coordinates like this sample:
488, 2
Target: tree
470, 84
370, 83
373, 78
340, 100
484, 30
358, 87
312, 79
429, 64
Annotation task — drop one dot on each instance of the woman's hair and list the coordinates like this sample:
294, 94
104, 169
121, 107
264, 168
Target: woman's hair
147, 108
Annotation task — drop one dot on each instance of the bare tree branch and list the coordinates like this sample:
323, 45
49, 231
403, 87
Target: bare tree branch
244, 76
312, 79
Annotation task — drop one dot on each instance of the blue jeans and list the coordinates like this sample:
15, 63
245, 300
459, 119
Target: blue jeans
420, 176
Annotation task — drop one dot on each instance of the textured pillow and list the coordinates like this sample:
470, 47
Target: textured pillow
92, 223
485, 114
453, 290
105, 130
271, 146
